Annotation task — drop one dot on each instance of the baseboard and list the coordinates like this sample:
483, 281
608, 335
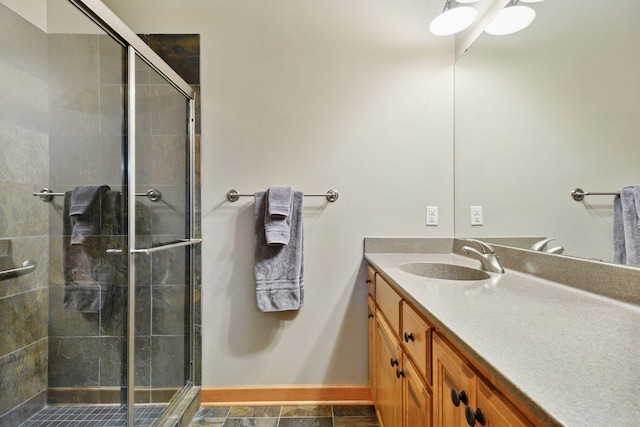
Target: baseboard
287, 395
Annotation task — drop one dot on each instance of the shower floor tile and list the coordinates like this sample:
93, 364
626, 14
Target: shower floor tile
89, 416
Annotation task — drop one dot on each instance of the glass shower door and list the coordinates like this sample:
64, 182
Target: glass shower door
162, 238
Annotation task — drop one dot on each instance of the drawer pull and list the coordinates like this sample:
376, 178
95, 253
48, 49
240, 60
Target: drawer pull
394, 362
472, 417
408, 337
456, 397
368, 281
370, 316
399, 373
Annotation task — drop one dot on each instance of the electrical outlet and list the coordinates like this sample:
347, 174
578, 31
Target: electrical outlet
476, 215
432, 215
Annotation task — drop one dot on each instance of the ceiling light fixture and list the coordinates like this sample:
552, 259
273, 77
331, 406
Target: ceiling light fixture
453, 18
512, 19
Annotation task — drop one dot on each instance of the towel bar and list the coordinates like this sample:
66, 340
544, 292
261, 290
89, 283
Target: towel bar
331, 195
27, 267
46, 195
578, 194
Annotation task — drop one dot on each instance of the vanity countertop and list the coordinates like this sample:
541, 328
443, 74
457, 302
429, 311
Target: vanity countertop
571, 356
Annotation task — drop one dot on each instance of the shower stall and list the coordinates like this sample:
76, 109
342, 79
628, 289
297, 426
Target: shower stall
99, 223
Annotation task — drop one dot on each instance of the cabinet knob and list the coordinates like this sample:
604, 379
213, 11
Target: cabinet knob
456, 397
399, 373
368, 281
473, 417
408, 337
370, 316
394, 362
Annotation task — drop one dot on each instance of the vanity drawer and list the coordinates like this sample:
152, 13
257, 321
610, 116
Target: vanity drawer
388, 302
371, 281
416, 337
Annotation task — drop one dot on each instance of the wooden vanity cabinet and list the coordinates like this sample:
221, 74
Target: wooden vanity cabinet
371, 326
417, 398
389, 365
402, 375
461, 398
417, 377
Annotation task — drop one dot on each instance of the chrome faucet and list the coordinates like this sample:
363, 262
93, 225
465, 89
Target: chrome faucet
541, 246
489, 261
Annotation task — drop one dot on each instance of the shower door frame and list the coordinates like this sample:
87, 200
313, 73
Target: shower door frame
136, 47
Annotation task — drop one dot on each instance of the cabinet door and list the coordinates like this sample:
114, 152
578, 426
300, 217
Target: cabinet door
416, 398
371, 309
389, 382
454, 383
496, 410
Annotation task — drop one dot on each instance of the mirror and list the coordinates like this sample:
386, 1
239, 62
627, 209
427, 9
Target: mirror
540, 112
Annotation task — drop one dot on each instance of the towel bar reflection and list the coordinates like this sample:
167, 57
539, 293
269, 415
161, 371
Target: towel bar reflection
27, 267
578, 194
331, 195
46, 195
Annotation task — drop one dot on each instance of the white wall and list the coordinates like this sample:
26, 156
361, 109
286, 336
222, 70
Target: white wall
34, 11
351, 95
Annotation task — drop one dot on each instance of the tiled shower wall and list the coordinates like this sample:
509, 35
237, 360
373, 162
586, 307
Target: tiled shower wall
24, 229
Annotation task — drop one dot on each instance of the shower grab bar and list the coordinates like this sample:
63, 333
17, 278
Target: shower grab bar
184, 242
46, 195
578, 194
331, 195
27, 267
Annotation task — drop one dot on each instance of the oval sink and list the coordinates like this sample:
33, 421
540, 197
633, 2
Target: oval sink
444, 271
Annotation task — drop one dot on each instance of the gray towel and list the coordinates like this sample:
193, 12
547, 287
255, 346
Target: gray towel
279, 270
84, 211
90, 275
279, 197
626, 223
277, 221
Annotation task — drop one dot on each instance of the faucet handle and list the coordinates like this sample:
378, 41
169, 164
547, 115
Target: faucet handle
541, 245
484, 247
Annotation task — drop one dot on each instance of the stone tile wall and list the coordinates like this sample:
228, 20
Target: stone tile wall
24, 168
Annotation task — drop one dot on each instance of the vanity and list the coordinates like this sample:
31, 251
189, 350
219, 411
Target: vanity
526, 348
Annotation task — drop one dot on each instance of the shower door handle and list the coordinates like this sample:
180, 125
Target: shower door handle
185, 242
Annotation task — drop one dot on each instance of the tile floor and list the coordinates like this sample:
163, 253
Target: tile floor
286, 416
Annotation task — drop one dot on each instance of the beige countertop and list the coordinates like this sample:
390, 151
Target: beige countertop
571, 356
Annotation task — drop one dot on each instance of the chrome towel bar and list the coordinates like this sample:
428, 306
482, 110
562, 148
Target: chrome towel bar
46, 195
578, 194
331, 195
27, 267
